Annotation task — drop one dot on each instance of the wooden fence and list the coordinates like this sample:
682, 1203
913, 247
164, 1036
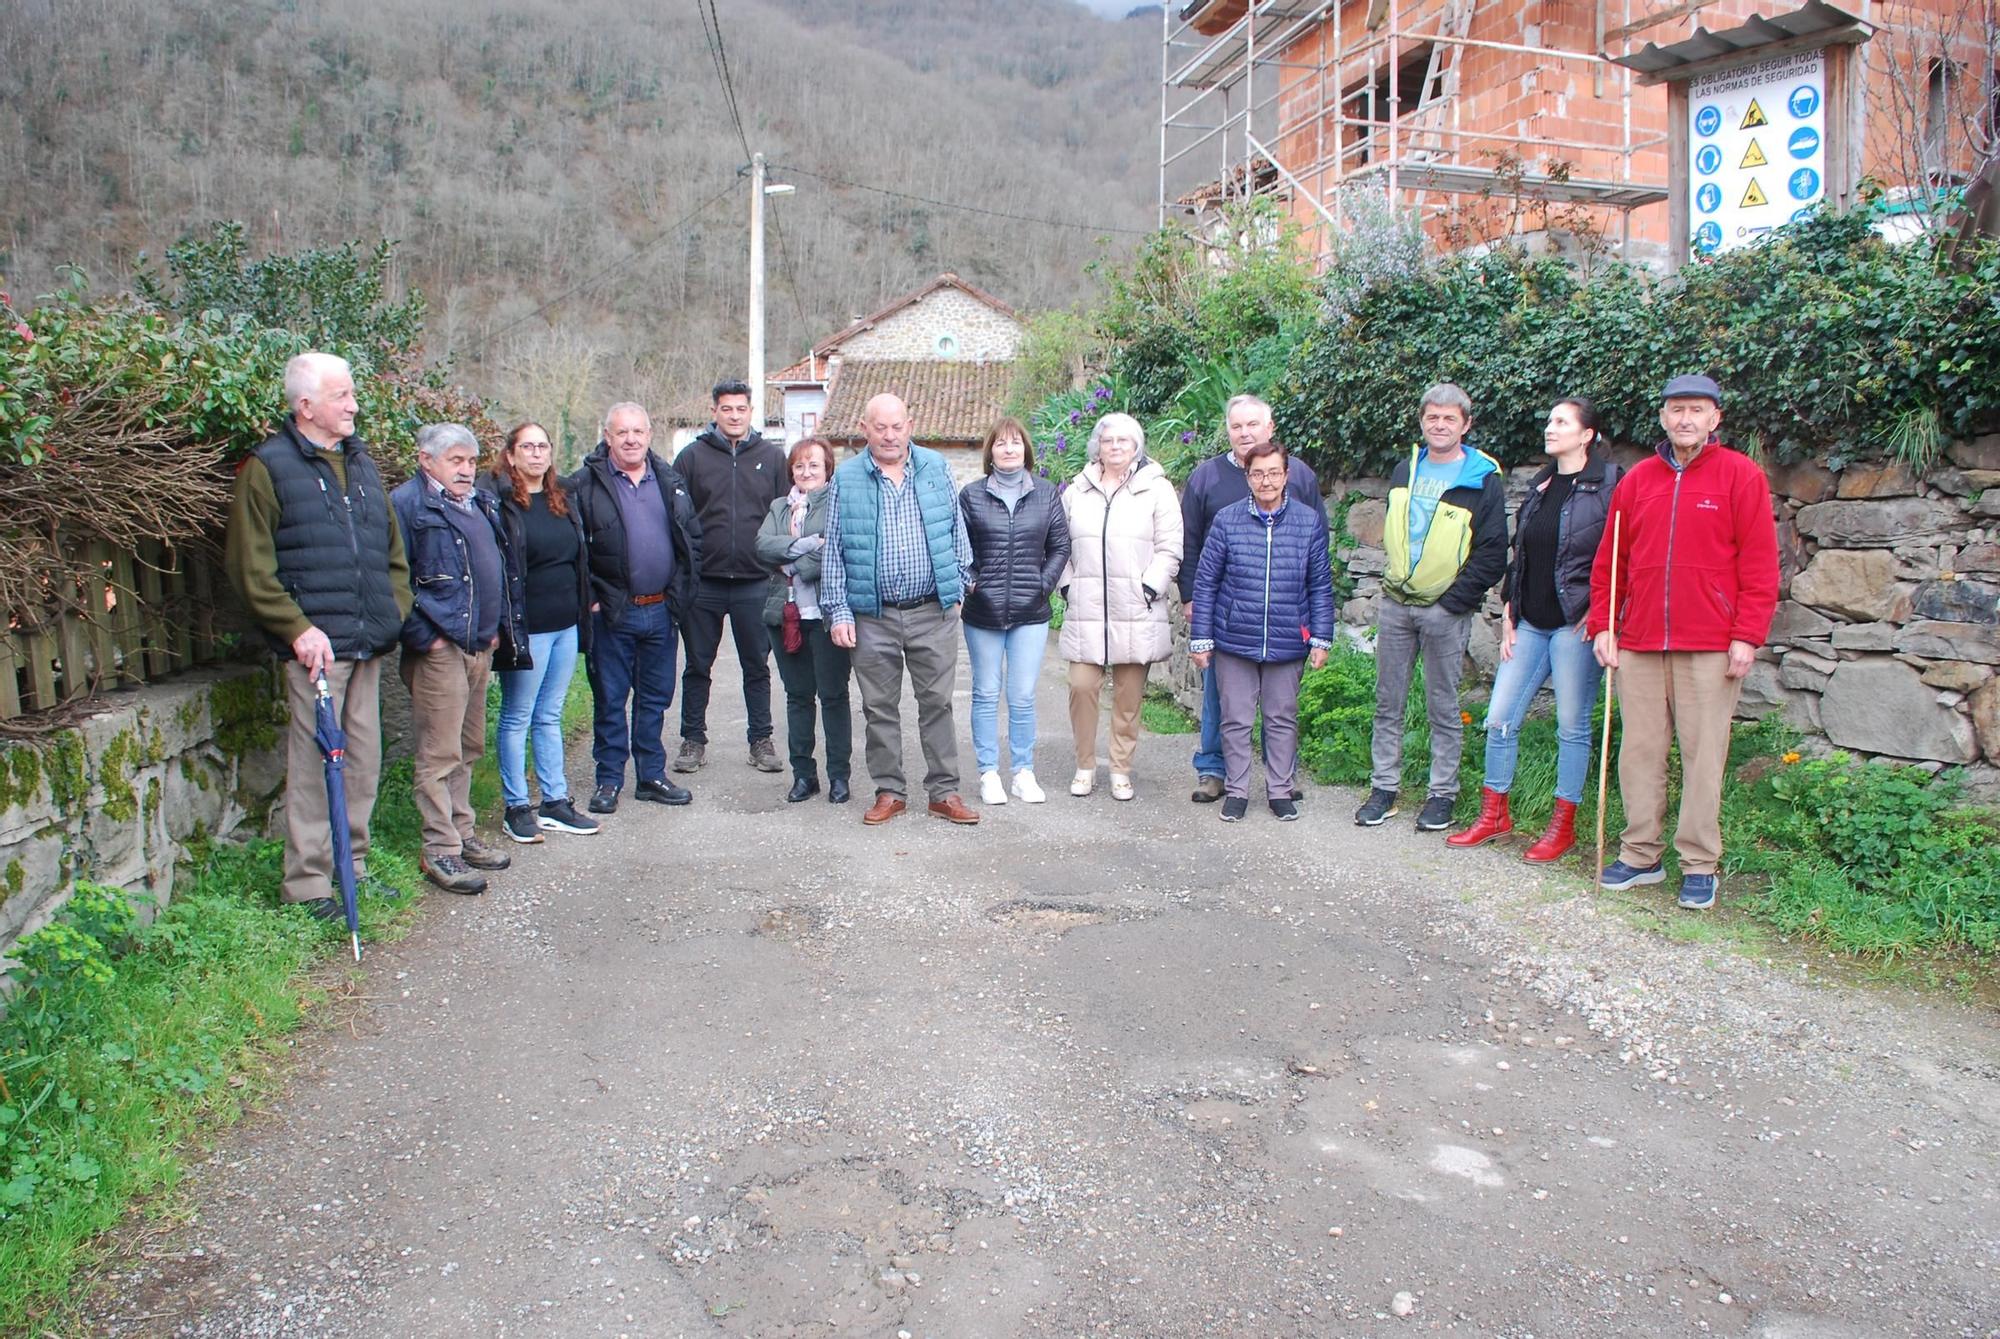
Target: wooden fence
136, 616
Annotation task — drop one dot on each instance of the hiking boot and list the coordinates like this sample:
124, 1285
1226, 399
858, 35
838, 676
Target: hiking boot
604, 800
763, 757
479, 855
561, 816
1618, 874
693, 753
1234, 808
451, 874
1285, 811
521, 826
1435, 816
1377, 809
1698, 891
663, 791
323, 909
1207, 789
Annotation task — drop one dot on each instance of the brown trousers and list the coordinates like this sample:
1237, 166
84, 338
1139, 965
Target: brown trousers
357, 705
1086, 688
448, 717
1683, 696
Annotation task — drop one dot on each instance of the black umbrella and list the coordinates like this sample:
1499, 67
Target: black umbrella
333, 747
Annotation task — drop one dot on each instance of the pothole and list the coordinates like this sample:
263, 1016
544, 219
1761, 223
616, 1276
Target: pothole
790, 924
1046, 917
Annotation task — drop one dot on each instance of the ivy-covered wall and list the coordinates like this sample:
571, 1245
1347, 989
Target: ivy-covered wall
115, 798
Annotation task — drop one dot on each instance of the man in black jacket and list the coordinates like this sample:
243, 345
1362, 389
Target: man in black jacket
733, 475
645, 565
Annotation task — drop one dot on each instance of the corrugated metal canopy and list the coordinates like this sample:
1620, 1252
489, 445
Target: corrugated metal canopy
1812, 24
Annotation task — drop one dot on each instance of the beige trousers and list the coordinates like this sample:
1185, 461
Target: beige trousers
1669, 696
357, 705
1086, 688
448, 717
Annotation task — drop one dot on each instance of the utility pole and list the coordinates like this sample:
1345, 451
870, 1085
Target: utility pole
758, 190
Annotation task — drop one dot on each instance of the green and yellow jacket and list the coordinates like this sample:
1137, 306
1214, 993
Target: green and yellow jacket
1464, 551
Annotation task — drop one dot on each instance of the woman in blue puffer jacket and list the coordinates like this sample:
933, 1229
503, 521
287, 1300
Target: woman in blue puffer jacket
1263, 607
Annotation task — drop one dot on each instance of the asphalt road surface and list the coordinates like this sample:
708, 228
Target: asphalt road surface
1090, 1068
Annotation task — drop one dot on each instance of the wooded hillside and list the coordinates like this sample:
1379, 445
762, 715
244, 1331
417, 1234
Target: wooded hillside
541, 153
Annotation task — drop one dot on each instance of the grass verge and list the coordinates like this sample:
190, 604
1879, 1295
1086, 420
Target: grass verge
127, 1047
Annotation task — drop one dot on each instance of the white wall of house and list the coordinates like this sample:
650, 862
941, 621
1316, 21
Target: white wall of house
805, 406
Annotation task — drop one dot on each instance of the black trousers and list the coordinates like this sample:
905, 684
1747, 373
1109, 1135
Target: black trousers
742, 602
816, 675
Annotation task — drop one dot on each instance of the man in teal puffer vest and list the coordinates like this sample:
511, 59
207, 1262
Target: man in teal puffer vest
891, 583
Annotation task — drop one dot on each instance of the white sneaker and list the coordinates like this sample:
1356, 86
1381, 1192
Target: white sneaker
1121, 786
1081, 783
1027, 789
991, 789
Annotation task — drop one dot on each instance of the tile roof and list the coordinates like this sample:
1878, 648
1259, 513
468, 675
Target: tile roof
949, 401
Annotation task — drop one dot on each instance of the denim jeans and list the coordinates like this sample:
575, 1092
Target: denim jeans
1022, 649
1540, 656
532, 700
632, 660
1208, 749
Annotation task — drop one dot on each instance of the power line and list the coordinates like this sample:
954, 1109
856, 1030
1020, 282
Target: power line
711, 31
963, 208
791, 278
670, 231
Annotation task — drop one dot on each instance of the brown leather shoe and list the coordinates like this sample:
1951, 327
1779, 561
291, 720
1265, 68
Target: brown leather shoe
887, 805
955, 809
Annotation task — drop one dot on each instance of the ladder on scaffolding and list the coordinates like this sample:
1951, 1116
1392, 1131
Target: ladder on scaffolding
1429, 140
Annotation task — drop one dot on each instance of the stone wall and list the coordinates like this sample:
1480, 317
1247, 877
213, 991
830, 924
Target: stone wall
114, 799
1887, 640
983, 334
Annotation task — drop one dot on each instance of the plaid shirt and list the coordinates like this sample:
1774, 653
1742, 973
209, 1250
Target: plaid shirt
903, 554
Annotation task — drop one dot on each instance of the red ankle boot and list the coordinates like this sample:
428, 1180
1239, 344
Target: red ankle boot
1492, 821
1557, 838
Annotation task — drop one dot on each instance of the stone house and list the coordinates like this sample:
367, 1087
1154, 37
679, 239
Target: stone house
948, 349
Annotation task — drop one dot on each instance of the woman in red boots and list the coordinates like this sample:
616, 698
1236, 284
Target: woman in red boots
1545, 601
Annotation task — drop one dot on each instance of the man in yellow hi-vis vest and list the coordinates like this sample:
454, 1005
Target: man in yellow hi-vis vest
1446, 537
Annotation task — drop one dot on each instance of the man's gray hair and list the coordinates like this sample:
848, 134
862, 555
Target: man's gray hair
1117, 422
1447, 396
307, 372
604, 428
434, 439
1245, 400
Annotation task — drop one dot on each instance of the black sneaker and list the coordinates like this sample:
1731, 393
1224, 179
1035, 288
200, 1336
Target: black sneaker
1377, 809
1233, 808
1435, 816
604, 800
520, 825
561, 816
323, 909
1286, 811
662, 792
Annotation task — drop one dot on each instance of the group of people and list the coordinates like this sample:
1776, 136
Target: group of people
877, 568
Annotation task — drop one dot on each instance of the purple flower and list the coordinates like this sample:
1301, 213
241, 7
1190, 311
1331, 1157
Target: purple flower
1062, 442
1187, 436
1076, 416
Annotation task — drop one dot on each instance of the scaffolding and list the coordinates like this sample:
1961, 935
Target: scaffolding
1299, 99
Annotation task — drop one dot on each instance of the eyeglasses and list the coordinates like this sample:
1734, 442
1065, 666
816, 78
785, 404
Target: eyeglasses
533, 446
1266, 476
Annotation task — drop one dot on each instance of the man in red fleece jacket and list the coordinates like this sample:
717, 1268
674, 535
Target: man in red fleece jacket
1697, 556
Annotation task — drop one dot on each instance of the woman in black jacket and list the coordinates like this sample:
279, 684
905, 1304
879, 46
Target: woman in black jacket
541, 538
1020, 545
1545, 601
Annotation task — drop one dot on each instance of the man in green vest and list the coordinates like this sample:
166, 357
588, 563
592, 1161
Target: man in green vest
891, 584
1446, 538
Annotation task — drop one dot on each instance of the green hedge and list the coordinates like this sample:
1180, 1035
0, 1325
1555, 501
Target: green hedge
1828, 341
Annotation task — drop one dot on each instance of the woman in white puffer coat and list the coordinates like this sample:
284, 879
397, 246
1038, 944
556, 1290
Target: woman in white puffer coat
1125, 549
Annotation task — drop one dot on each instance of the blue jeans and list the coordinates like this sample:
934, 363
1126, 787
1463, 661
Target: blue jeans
631, 660
1208, 749
1539, 656
532, 699
1022, 649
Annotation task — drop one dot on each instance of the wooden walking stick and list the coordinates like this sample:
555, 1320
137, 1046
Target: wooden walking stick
1610, 690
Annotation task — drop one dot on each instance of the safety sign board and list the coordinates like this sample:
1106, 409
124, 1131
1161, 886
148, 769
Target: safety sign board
1737, 120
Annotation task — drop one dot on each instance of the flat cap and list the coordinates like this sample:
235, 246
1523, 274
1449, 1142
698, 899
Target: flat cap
1691, 387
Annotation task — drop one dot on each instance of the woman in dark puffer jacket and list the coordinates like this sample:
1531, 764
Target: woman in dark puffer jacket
1020, 544
1263, 604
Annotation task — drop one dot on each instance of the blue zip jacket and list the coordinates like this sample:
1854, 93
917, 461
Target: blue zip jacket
1264, 590
441, 575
